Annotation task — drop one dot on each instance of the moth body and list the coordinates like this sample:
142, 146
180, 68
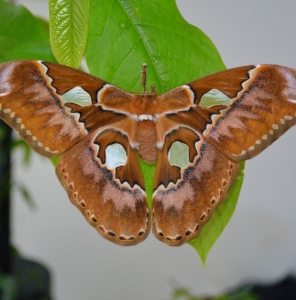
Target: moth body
146, 132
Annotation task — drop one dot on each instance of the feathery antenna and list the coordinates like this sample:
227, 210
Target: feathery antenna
143, 77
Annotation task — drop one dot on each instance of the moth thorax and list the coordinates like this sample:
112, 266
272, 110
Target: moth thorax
147, 141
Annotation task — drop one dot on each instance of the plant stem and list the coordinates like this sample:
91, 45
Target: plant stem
5, 253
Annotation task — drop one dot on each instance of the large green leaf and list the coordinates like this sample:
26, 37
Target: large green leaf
148, 171
124, 34
68, 30
22, 36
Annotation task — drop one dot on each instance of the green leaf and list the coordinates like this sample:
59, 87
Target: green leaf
148, 171
243, 293
220, 218
22, 36
55, 160
68, 30
183, 294
124, 34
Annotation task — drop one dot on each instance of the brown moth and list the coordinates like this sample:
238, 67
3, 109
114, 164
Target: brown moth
196, 134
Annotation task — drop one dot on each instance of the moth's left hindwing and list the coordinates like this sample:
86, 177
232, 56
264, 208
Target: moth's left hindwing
188, 190
55, 109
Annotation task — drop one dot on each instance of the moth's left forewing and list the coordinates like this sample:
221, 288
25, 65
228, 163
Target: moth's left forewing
256, 108
102, 177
